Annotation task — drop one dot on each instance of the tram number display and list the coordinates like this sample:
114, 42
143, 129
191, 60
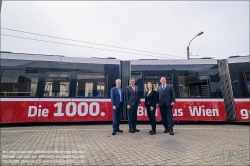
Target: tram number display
71, 109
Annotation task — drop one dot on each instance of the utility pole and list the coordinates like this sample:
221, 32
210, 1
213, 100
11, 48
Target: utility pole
188, 56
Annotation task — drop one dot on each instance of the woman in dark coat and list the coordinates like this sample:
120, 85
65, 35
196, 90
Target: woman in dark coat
150, 104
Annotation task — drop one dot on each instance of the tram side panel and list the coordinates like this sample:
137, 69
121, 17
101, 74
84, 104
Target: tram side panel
66, 110
56, 89
19, 86
240, 78
55, 102
17, 110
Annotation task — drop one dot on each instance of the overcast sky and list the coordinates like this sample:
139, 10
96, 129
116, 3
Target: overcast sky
159, 27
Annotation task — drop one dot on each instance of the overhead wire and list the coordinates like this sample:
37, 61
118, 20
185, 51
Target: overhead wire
83, 41
86, 46
101, 45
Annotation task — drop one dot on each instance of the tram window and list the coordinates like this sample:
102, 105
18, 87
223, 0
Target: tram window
57, 85
155, 81
193, 86
215, 86
91, 85
18, 83
247, 74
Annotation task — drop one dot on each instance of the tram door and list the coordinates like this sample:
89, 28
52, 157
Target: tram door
142, 79
155, 80
57, 84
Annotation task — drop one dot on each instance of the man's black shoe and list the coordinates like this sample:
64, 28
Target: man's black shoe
152, 132
136, 130
113, 133
131, 131
166, 131
119, 131
171, 133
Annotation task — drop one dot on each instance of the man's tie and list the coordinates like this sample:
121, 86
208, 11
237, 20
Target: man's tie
163, 87
133, 87
120, 94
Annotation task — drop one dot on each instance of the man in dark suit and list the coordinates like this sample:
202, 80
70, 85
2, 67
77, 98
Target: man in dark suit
166, 100
133, 100
117, 105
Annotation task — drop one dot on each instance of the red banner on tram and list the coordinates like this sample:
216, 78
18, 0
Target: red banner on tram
73, 110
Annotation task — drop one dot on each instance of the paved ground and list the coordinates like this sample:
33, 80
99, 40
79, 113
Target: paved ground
94, 145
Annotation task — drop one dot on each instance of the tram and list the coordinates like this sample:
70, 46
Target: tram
49, 88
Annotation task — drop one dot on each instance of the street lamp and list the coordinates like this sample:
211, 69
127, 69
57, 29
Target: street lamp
190, 42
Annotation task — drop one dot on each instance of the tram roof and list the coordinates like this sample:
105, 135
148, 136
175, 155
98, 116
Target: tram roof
173, 62
192, 61
96, 60
57, 58
239, 59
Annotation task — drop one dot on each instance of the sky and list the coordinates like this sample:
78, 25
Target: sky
160, 30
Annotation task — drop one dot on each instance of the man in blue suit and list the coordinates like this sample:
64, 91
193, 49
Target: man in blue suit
117, 105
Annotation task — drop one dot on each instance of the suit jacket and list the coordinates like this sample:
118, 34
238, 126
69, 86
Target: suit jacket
115, 96
132, 97
151, 99
167, 96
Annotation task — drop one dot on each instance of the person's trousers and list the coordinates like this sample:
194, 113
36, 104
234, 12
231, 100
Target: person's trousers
167, 117
132, 116
117, 117
151, 116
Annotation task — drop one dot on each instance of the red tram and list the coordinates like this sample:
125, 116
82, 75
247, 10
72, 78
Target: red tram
44, 88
